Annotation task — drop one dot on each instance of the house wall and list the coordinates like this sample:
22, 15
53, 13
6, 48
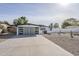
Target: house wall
27, 30
32, 29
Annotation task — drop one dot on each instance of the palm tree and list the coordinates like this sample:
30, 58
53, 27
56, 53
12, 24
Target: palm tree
20, 21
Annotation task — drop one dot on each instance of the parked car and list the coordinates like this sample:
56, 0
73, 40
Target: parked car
45, 32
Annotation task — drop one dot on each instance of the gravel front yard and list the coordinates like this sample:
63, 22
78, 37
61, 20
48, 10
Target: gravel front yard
66, 42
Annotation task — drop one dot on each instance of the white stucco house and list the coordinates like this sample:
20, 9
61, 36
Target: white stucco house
31, 29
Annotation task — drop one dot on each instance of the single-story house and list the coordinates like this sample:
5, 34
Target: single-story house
31, 29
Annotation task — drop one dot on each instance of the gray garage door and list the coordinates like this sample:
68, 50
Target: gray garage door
29, 31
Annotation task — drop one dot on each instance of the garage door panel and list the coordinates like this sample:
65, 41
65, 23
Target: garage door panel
28, 31
32, 31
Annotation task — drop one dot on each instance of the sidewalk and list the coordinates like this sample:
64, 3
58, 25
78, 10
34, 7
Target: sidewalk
31, 46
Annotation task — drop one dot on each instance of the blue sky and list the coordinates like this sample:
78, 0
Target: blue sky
42, 13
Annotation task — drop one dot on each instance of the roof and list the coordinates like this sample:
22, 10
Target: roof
33, 25
37, 25
27, 26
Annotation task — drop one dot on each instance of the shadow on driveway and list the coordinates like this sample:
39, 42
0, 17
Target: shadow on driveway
9, 36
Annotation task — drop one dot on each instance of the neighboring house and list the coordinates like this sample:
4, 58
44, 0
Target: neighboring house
31, 29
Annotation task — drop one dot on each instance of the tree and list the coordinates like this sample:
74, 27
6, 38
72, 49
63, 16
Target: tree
70, 22
51, 26
56, 25
65, 24
71, 19
20, 21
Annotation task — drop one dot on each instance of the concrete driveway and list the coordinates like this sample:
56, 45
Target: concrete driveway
31, 46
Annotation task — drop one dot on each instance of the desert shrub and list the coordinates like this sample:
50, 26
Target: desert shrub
4, 31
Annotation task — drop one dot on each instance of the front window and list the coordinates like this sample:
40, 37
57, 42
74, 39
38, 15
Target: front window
20, 30
36, 30
42, 28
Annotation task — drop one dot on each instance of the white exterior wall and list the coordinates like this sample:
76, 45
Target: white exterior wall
17, 31
65, 30
31, 29
46, 28
40, 31
32, 26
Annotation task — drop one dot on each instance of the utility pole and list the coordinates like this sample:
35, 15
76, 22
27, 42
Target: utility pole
71, 34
